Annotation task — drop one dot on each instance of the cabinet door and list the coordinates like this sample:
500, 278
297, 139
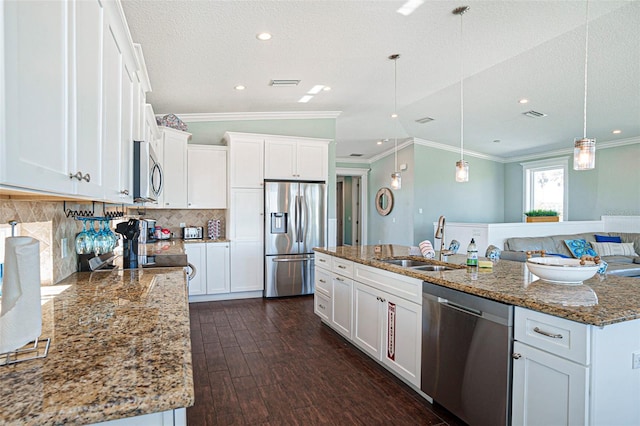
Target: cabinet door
402, 331
247, 217
246, 163
280, 160
175, 169
341, 309
218, 268
322, 306
547, 389
124, 192
367, 321
35, 148
312, 161
207, 177
196, 255
247, 266
87, 146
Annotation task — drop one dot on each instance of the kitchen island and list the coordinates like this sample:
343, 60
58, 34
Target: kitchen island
120, 348
574, 349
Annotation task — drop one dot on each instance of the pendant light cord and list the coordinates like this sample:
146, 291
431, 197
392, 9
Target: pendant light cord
461, 91
586, 63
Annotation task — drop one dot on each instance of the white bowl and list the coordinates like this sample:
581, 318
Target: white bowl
562, 271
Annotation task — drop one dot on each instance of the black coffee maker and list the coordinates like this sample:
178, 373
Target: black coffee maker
130, 231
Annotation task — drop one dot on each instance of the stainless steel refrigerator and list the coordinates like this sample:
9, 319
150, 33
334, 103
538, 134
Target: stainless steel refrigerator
295, 223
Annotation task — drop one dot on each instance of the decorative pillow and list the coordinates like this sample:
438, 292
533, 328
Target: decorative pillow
607, 239
579, 248
614, 249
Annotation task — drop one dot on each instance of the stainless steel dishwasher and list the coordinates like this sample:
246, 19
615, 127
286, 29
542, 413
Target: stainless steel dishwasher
466, 354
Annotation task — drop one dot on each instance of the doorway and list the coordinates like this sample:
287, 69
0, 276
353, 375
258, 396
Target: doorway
351, 206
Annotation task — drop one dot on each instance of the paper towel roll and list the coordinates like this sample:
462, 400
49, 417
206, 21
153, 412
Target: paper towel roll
20, 314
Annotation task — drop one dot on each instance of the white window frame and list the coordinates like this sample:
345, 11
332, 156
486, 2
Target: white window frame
536, 166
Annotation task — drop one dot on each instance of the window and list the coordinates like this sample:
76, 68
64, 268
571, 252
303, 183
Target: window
545, 185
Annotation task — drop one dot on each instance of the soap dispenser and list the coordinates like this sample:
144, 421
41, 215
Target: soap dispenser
472, 254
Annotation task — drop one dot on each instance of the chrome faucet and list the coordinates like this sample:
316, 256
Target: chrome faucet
440, 234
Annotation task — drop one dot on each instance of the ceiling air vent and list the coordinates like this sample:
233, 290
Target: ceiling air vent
534, 114
284, 83
355, 155
424, 120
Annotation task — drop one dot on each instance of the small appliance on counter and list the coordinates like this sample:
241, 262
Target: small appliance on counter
147, 228
192, 233
130, 231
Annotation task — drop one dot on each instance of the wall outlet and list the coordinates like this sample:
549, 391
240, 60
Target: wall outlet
182, 224
64, 248
635, 360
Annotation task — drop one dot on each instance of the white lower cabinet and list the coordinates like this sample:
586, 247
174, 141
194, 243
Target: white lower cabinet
386, 326
211, 268
247, 266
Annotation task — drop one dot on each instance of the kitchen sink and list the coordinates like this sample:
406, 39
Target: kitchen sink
417, 265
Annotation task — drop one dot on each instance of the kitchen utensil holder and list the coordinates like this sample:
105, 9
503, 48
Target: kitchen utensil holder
39, 349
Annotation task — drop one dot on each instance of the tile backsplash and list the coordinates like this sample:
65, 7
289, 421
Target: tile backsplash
47, 222
172, 218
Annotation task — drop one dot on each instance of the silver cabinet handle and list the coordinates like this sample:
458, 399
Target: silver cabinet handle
339, 279
342, 267
548, 334
322, 281
321, 306
87, 177
516, 355
321, 260
78, 175
125, 192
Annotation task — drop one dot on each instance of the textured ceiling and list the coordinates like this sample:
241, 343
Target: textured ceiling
197, 51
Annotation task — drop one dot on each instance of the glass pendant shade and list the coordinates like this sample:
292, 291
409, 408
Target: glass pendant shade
584, 154
396, 180
462, 171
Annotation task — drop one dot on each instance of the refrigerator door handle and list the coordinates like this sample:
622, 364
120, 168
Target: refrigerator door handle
303, 259
298, 221
302, 219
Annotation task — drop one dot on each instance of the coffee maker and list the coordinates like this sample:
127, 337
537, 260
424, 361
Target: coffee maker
146, 231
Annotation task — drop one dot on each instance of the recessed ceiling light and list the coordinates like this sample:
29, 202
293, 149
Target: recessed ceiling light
379, 142
326, 88
617, 132
394, 115
305, 99
263, 36
316, 89
523, 101
239, 87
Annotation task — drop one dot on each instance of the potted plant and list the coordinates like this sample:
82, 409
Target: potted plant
541, 215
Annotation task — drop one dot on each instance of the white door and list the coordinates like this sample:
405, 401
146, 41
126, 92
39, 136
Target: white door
175, 169
87, 145
196, 255
218, 268
207, 177
247, 266
37, 96
402, 337
280, 159
367, 321
341, 309
246, 163
247, 214
312, 161
547, 389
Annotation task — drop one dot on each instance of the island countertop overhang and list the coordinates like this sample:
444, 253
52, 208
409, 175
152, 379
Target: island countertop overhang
618, 298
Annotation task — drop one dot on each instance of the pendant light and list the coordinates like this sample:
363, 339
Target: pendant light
584, 151
396, 178
462, 167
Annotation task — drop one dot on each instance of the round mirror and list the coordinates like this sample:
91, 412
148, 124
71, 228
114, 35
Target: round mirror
384, 201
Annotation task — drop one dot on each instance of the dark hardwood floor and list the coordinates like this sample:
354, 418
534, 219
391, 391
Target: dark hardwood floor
267, 362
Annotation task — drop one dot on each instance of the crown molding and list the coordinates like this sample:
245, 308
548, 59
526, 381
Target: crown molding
353, 160
240, 116
569, 151
444, 147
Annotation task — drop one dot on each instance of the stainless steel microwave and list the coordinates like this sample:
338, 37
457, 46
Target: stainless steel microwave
147, 173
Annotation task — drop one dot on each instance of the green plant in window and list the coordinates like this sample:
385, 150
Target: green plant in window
541, 212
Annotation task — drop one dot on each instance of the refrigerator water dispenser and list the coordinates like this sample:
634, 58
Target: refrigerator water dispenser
279, 223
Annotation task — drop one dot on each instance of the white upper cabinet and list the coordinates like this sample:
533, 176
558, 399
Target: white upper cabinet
175, 168
296, 158
69, 71
207, 176
246, 160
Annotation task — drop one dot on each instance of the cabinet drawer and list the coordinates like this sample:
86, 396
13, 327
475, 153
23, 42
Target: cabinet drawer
559, 336
396, 284
323, 282
323, 260
322, 306
342, 267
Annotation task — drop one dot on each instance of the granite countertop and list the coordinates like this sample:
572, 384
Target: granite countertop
120, 347
613, 299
